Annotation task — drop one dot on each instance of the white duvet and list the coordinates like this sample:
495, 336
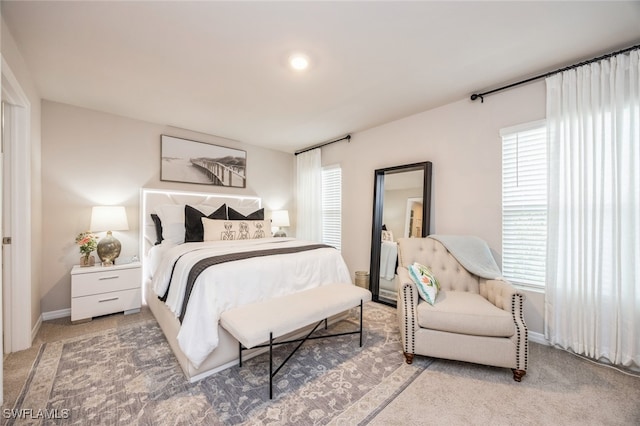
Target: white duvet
224, 286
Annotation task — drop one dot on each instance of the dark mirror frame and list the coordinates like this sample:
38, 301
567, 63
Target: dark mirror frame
378, 204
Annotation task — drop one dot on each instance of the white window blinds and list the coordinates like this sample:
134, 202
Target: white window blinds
524, 203
332, 206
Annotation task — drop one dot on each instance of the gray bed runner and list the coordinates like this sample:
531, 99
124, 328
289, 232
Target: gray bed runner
203, 264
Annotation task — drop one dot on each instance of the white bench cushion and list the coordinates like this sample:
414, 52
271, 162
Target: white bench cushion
251, 324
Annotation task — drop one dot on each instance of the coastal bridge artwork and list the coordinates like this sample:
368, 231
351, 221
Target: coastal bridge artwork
197, 162
222, 171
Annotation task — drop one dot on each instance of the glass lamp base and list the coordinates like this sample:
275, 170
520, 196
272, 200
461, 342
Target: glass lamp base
108, 249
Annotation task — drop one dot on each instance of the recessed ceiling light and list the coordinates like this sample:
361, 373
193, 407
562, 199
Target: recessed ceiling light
299, 62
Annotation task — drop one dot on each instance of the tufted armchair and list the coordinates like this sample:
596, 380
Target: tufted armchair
473, 319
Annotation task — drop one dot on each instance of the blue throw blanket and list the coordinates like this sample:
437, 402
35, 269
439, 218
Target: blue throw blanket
473, 253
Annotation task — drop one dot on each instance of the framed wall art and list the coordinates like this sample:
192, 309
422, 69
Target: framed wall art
189, 161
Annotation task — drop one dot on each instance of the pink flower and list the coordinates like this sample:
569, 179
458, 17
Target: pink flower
87, 242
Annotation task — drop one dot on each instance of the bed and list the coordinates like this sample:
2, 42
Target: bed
229, 272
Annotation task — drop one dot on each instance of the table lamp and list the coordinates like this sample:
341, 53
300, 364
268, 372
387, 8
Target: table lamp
279, 219
109, 218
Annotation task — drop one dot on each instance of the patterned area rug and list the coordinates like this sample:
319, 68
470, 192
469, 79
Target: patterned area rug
130, 376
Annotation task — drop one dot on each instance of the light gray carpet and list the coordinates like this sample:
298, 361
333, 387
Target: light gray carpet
129, 375
559, 389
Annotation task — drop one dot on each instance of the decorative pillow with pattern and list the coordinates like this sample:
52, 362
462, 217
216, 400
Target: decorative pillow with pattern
230, 230
428, 285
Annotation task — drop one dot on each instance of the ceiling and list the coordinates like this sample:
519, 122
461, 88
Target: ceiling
221, 67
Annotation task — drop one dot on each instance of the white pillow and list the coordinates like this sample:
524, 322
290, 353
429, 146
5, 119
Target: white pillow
222, 230
170, 213
172, 218
206, 209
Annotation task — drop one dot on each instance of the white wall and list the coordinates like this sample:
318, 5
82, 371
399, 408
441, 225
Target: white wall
463, 142
91, 158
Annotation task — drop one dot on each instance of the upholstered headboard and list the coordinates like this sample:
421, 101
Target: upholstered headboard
151, 199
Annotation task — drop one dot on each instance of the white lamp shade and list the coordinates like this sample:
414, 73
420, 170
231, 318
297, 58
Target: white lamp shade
280, 218
109, 218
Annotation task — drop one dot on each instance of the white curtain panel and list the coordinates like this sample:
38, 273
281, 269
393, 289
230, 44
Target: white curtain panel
309, 192
593, 255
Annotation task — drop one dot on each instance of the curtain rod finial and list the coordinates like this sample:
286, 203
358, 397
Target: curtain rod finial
476, 96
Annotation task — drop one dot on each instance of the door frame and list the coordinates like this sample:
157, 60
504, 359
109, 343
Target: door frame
20, 301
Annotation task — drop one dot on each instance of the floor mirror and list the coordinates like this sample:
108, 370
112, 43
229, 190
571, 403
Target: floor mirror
401, 208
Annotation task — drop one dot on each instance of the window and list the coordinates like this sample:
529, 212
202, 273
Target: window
332, 206
524, 203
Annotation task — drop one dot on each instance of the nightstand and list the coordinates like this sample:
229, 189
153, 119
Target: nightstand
102, 290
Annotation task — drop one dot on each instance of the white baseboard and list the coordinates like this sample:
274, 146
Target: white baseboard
35, 329
46, 316
538, 338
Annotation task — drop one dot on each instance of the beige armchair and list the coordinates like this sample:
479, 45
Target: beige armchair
473, 319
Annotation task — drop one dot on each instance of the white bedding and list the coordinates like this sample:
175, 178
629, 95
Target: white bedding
236, 283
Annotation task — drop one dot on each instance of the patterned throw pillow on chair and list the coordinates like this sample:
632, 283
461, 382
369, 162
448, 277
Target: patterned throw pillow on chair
428, 285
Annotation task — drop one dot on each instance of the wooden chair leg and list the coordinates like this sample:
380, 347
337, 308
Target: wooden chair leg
518, 374
408, 357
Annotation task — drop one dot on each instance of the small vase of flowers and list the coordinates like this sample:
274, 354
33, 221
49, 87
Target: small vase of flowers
87, 242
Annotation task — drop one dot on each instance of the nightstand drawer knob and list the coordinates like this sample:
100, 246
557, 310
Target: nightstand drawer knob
112, 277
108, 300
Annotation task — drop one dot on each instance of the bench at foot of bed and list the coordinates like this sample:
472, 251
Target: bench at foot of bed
254, 324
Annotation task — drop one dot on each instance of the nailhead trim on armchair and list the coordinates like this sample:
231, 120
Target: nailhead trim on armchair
521, 330
410, 315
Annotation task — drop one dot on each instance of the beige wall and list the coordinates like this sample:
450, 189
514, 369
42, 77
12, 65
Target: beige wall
461, 139
91, 158
463, 142
13, 58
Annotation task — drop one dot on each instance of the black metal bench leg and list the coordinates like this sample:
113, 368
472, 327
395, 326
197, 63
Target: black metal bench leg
270, 365
360, 322
271, 344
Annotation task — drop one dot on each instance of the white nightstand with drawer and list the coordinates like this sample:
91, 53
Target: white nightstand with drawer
102, 290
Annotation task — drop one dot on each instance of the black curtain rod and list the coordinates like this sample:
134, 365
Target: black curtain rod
320, 145
538, 77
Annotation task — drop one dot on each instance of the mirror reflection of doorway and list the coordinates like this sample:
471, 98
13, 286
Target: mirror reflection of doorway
400, 218
413, 220
399, 195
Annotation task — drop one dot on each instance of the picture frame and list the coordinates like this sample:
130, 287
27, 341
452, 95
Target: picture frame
188, 161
